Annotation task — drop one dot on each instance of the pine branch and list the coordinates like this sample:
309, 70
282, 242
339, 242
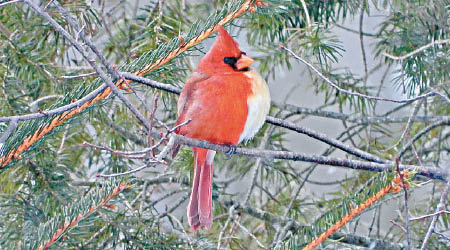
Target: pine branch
71, 215
328, 224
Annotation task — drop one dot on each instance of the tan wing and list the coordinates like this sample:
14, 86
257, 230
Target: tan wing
189, 88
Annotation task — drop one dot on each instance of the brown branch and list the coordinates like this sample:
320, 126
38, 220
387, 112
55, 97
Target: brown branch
70, 224
394, 186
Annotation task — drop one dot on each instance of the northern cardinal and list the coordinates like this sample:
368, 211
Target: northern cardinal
226, 102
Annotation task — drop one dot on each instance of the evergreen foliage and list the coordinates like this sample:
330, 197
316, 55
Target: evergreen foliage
51, 194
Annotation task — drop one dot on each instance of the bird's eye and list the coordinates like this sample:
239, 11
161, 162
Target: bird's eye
230, 61
243, 53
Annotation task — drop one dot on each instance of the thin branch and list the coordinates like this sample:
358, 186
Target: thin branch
430, 172
158, 159
230, 218
429, 215
258, 163
10, 2
151, 83
352, 117
405, 190
35, 105
435, 42
9, 130
439, 207
354, 31
324, 138
189, 240
445, 121
251, 235
398, 225
59, 110
79, 76
432, 93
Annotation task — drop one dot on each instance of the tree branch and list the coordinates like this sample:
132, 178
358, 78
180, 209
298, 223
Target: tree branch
436, 42
439, 208
430, 172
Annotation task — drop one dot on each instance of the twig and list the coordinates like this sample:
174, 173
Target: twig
189, 240
355, 93
151, 83
398, 225
354, 118
429, 215
9, 130
34, 105
403, 185
439, 207
443, 236
435, 42
158, 159
324, 138
258, 162
361, 42
251, 235
408, 125
445, 121
354, 31
10, 2
79, 76
230, 218
59, 110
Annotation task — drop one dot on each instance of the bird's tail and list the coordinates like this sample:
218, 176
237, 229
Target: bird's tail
199, 210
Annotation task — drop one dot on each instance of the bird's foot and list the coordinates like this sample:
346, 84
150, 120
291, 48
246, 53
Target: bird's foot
231, 150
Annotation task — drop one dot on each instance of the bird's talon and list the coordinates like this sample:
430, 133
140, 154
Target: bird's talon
231, 150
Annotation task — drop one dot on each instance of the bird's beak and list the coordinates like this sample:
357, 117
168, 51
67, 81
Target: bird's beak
244, 62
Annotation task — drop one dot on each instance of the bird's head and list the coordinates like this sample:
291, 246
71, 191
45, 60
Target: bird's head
224, 56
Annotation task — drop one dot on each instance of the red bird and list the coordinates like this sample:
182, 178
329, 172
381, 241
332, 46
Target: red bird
227, 103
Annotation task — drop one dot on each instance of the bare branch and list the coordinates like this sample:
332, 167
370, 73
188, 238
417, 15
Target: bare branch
435, 42
9, 130
445, 121
439, 207
430, 172
10, 2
